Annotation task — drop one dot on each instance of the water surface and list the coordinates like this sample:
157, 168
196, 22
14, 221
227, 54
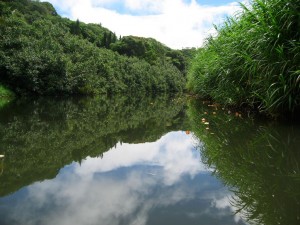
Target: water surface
139, 160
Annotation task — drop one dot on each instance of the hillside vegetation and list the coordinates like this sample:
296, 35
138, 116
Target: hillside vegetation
45, 54
254, 60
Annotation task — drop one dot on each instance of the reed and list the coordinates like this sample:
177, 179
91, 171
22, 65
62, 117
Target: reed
254, 60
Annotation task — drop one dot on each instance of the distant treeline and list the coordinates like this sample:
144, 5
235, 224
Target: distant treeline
254, 60
45, 54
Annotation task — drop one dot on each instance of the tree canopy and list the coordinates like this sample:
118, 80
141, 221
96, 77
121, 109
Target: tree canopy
45, 54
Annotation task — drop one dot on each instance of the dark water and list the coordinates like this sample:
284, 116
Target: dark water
141, 160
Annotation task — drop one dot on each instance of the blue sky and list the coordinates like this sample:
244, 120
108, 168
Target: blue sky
176, 23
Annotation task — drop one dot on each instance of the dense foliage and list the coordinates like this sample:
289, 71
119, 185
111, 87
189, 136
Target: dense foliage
40, 137
42, 53
152, 51
254, 60
258, 161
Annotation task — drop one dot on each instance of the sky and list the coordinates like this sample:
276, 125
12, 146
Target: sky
175, 23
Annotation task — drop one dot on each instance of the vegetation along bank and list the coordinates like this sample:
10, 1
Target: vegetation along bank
254, 60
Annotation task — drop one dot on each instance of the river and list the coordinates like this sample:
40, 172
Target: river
146, 161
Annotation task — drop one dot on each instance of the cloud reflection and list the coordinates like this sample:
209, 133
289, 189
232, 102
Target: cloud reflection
126, 186
173, 153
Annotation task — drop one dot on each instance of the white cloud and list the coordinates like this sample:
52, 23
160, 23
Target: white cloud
145, 5
175, 23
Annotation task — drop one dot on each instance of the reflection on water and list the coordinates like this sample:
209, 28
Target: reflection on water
1, 164
106, 161
39, 137
134, 161
259, 161
151, 183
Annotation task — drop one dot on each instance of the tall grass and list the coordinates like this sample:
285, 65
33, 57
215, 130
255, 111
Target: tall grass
254, 60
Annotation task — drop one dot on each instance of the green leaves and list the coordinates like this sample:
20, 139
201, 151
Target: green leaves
44, 54
259, 53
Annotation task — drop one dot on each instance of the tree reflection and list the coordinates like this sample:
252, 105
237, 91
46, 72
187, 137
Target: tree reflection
1, 165
40, 137
259, 161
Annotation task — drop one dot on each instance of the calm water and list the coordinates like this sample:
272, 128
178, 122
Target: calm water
142, 160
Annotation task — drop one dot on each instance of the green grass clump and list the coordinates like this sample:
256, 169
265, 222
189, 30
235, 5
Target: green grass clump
254, 60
